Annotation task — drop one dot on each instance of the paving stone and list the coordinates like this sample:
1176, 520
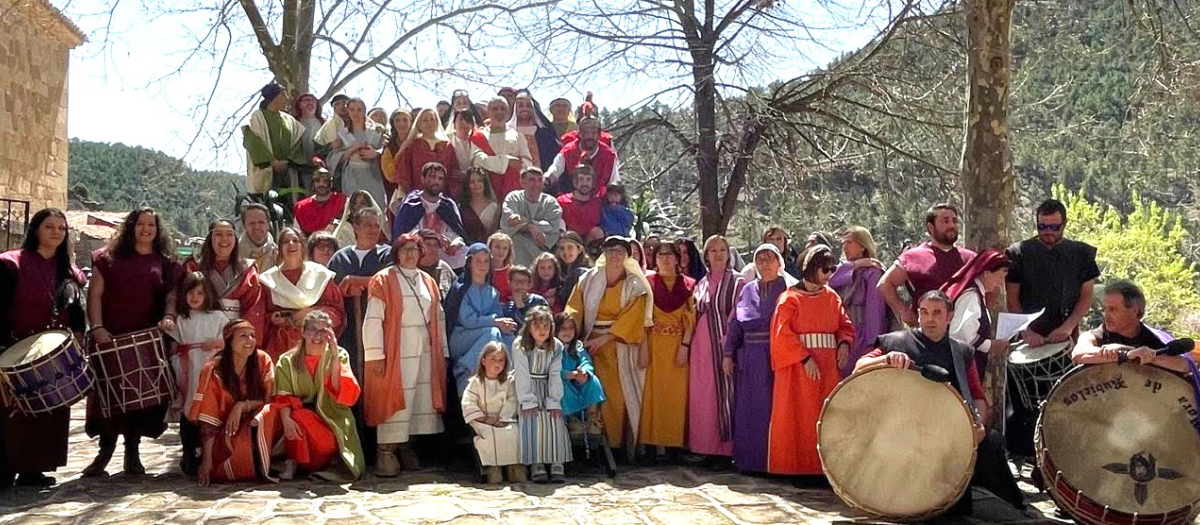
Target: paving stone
678, 515
540, 516
765, 513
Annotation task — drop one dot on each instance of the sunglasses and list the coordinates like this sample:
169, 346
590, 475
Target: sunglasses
1042, 227
829, 269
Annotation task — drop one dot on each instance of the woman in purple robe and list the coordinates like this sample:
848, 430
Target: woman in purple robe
40, 290
855, 281
748, 358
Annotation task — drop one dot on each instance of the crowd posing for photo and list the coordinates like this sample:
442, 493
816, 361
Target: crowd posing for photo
469, 305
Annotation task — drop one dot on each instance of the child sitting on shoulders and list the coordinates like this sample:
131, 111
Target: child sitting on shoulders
537, 365
582, 391
489, 405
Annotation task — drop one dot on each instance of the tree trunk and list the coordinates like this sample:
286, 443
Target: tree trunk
706, 143
987, 171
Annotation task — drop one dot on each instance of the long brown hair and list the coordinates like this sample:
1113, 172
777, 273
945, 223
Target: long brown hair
254, 388
122, 245
212, 300
490, 348
208, 254
540, 315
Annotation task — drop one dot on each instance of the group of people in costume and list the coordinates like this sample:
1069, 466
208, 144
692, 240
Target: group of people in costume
444, 314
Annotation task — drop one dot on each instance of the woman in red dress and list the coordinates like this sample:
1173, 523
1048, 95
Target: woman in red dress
811, 337
426, 143
294, 288
40, 290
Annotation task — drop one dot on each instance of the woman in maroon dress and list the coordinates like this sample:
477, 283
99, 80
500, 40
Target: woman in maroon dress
132, 288
50, 292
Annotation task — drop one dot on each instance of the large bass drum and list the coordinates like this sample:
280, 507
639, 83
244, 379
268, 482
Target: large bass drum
896, 445
1116, 444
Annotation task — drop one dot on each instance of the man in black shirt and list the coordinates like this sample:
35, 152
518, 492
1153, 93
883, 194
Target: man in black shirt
1124, 336
931, 344
1053, 273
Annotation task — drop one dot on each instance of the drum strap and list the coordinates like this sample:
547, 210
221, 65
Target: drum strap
960, 370
1195, 386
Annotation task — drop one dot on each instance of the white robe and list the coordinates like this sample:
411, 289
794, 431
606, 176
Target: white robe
507, 144
196, 328
416, 366
497, 446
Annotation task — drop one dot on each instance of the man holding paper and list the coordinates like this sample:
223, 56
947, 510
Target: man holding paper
1052, 273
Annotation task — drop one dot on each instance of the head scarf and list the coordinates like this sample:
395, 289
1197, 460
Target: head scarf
270, 91
539, 119
788, 278
696, 268
439, 133
810, 255
345, 231
964, 278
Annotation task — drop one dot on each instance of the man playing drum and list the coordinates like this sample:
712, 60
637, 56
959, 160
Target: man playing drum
1051, 272
1123, 336
930, 344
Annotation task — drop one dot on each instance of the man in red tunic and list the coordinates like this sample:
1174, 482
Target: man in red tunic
926, 266
317, 211
588, 150
580, 208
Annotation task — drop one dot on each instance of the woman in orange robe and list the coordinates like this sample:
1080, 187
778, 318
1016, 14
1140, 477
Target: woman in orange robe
237, 427
810, 339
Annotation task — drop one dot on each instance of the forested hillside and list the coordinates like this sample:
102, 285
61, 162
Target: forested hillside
116, 177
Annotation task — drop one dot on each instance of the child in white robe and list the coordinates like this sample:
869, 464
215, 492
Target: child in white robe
196, 339
489, 405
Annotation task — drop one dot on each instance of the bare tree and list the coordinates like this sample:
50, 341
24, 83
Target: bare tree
722, 52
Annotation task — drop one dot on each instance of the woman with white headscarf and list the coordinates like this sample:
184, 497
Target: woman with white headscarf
614, 305
345, 230
748, 358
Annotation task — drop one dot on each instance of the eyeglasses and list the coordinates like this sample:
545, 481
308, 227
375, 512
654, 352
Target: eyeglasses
315, 329
1043, 227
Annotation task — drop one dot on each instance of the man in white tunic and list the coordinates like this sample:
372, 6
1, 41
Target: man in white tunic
507, 144
532, 218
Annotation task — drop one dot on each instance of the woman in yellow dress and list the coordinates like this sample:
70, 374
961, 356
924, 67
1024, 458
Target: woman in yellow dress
664, 407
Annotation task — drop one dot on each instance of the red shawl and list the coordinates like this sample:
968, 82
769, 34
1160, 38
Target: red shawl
669, 300
965, 277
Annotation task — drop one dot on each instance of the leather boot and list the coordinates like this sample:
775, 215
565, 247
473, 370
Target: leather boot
494, 476
386, 464
408, 458
516, 474
108, 445
133, 458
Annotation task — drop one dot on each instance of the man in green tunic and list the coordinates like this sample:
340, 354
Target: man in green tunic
273, 146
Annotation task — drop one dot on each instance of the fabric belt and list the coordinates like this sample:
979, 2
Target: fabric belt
539, 376
667, 329
757, 337
812, 341
231, 305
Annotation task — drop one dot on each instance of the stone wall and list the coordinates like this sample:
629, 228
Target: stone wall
35, 45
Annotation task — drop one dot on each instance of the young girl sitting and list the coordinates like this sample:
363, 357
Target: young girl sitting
489, 405
582, 390
617, 217
537, 365
547, 279
197, 338
500, 244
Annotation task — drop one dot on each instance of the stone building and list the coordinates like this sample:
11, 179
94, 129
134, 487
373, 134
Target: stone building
35, 45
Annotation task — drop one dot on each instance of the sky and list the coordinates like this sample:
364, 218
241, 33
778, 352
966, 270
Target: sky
140, 81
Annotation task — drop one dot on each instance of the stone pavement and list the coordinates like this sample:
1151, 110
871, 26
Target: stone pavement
645, 495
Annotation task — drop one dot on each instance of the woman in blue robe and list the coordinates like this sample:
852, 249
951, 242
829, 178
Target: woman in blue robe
473, 309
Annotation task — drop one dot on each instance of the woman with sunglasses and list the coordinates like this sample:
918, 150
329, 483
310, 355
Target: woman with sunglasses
811, 336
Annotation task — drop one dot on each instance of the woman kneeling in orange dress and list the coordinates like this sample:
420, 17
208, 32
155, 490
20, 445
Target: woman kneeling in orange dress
237, 427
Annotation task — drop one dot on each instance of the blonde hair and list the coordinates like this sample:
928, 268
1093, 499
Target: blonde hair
708, 243
502, 237
862, 236
490, 348
438, 133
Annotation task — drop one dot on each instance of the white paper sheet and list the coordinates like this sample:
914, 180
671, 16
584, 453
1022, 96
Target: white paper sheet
1009, 324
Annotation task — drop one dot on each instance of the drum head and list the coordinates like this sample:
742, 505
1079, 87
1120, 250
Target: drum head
1122, 435
33, 348
1022, 354
895, 444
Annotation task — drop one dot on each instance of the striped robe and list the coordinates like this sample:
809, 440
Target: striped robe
538, 374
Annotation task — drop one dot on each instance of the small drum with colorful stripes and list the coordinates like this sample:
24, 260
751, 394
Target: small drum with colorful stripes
1117, 444
132, 372
45, 372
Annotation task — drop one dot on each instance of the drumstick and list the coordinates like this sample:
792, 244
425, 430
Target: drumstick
933, 373
1179, 346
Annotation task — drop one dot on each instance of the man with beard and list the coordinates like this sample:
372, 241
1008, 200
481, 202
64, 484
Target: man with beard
317, 211
539, 133
1053, 273
580, 209
926, 266
256, 243
588, 150
429, 209
533, 219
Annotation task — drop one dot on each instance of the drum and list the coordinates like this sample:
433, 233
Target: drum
896, 445
132, 372
45, 372
1034, 371
1116, 444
